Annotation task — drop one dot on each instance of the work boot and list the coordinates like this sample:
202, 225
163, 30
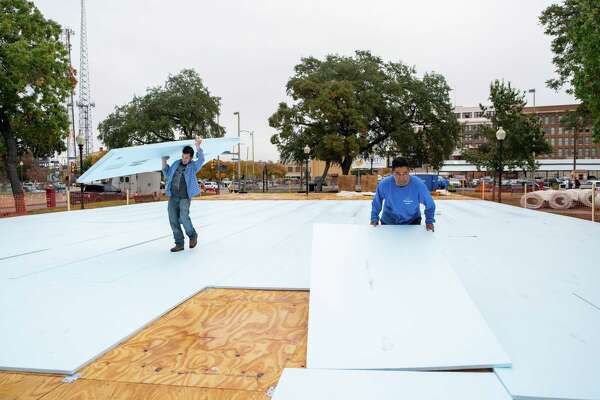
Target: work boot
193, 242
178, 247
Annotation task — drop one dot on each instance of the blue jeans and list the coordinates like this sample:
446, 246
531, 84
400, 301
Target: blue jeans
179, 214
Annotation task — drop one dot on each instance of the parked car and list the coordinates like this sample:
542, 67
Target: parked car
567, 184
101, 188
455, 182
210, 185
531, 185
443, 182
588, 184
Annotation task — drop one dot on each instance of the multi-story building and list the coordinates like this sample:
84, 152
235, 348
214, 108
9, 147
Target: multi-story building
471, 119
561, 138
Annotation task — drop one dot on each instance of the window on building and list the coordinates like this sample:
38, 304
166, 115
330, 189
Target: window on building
560, 141
546, 120
290, 169
552, 131
466, 115
457, 115
560, 131
560, 152
552, 141
478, 114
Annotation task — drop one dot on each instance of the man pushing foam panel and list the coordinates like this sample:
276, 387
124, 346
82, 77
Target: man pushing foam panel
401, 196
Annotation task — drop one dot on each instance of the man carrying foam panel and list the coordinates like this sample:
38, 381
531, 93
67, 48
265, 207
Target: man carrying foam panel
401, 196
181, 186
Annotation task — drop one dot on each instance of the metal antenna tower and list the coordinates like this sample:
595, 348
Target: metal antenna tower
85, 104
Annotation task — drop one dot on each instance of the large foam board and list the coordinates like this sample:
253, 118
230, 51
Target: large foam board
147, 158
106, 273
523, 269
384, 298
303, 384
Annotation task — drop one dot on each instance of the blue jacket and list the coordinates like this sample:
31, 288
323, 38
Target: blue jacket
402, 203
191, 181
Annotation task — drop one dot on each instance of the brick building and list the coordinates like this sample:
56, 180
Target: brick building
561, 138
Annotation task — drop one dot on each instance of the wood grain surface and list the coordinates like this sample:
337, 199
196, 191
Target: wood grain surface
220, 344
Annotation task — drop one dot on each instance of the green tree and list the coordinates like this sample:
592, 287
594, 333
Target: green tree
347, 107
576, 120
574, 26
524, 135
34, 84
181, 109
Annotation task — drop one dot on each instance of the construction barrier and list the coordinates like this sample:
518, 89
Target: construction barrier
346, 183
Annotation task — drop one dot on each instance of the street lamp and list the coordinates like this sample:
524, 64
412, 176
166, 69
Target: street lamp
500, 136
21, 170
307, 152
80, 142
251, 133
239, 153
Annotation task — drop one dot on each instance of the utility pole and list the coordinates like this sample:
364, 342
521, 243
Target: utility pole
85, 104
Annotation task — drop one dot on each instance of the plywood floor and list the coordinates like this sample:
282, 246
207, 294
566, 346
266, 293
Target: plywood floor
220, 344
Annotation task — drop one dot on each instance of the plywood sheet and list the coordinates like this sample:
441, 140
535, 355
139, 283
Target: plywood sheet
301, 384
27, 386
229, 339
93, 389
384, 298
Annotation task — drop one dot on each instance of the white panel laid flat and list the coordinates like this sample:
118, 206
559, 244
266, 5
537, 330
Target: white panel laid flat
533, 276
147, 158
106, 273
314, 384
384, 298
287, 266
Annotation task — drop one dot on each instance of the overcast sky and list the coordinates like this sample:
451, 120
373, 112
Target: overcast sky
245, 51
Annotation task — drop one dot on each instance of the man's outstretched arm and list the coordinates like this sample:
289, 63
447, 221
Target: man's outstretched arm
199, 161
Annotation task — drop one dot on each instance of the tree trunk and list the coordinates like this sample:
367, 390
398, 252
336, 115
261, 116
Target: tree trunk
11, 164
325, 171
346, 165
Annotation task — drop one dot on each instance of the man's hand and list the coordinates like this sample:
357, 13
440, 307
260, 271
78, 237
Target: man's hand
375, 223
198, 141
430, 227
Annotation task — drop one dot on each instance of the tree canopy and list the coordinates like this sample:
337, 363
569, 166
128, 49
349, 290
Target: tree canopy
35, 80
348, 107
181, 109
524, 135
574, 26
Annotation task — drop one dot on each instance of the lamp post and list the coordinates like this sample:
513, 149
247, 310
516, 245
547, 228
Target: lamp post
21, 170
500, 136
239, 154
80, 142
251, 133
307, 152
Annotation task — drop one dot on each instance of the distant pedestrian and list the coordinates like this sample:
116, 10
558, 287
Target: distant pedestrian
181, 186
577, 183
401, 196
